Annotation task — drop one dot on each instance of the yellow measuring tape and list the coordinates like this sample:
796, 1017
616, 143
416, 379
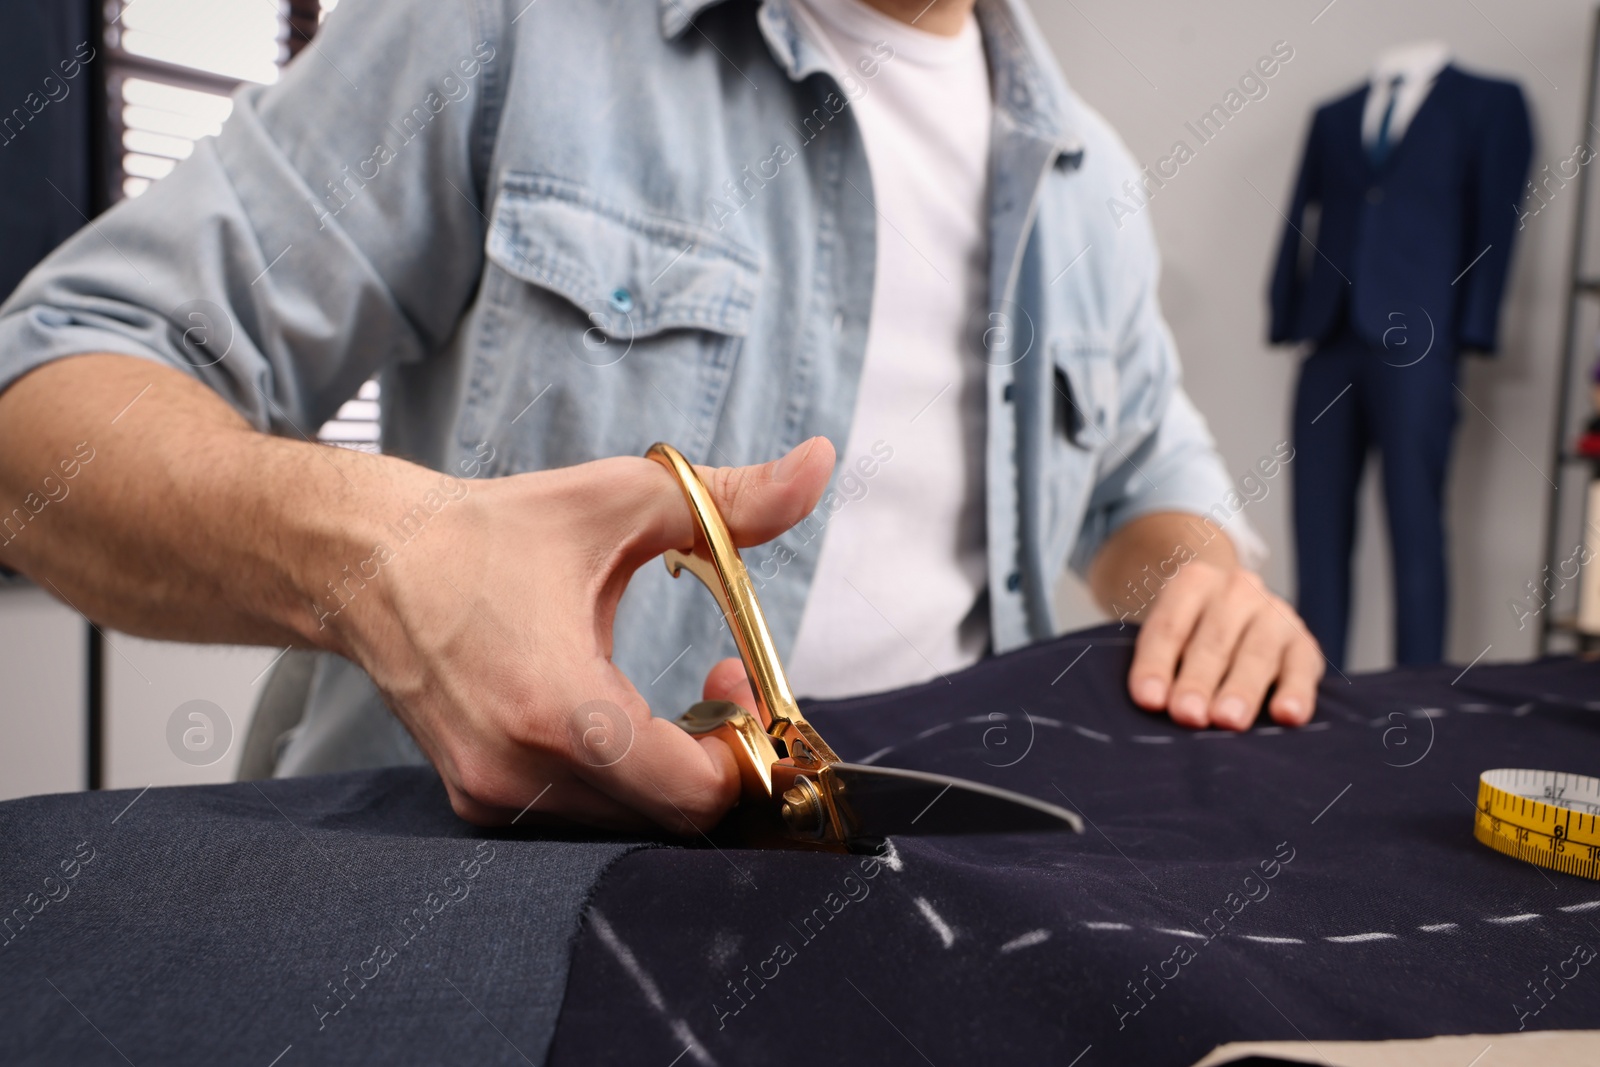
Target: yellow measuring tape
1543, 817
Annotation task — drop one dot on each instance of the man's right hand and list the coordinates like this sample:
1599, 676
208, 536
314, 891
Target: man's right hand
486, 623
490, 636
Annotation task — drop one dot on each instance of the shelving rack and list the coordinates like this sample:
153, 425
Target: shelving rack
1567, 508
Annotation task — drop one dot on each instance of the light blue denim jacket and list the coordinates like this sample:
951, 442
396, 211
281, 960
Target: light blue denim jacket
564, 230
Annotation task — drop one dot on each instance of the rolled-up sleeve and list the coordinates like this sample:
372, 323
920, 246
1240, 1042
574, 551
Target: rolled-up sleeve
335, 226
1162, 456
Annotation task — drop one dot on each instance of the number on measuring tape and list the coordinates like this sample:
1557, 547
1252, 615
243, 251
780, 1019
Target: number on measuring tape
1535, 815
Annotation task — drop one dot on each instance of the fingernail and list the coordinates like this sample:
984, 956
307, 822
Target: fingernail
1231, 711
1152, 691
1290, 707
788, 465
1191, 707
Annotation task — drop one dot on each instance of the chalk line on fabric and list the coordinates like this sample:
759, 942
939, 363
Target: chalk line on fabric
1027, 940
648, 987
935, 920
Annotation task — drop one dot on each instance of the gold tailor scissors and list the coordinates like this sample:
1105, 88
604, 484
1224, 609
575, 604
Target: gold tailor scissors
794, 791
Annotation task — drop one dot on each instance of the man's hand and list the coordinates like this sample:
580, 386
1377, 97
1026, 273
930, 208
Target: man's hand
482, 609
1214, 640
491, 634
1228, 639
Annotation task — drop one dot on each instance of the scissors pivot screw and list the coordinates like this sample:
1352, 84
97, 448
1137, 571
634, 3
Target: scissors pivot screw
802, 808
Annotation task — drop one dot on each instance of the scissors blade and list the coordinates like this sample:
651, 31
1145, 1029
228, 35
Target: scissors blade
886, 801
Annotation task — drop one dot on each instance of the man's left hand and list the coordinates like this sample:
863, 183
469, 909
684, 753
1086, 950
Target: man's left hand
1214, 641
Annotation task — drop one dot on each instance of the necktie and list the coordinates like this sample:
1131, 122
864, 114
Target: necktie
1381, 146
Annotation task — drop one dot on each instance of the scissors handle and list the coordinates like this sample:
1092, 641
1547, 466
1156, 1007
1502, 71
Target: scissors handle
795, 792
782, 735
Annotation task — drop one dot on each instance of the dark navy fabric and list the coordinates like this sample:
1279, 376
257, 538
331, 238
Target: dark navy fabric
1394, 239
1354, 399
347, 919
1321, 882
1313, 884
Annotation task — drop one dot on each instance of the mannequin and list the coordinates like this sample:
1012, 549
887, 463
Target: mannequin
1415, 177
1416, 66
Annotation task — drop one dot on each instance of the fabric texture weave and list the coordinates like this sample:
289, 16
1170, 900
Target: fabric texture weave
345, 919
1320, 883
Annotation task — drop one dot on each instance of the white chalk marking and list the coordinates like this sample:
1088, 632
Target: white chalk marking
1027, 940
1350, 939
940, 927
648, 987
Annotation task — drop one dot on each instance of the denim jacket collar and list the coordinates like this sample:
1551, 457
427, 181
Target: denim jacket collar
1025, 99
679, 15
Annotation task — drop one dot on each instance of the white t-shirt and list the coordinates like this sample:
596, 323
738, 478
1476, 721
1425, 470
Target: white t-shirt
898, 593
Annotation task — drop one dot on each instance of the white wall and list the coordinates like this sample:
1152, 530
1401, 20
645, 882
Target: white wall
1150, 65
43, 713
43, 701
147, 681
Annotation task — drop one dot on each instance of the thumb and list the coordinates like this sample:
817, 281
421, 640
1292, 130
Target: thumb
757, 502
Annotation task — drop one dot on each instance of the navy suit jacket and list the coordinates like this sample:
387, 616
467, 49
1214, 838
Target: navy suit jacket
1394, 240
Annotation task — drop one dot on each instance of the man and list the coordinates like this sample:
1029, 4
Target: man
564, 230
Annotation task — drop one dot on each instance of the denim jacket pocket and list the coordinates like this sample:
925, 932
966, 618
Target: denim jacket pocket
1087, 403
632, 275
623, 326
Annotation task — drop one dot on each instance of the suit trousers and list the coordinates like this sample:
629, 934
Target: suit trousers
1354, 398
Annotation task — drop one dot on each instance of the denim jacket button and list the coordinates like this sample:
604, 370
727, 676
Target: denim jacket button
622, 300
